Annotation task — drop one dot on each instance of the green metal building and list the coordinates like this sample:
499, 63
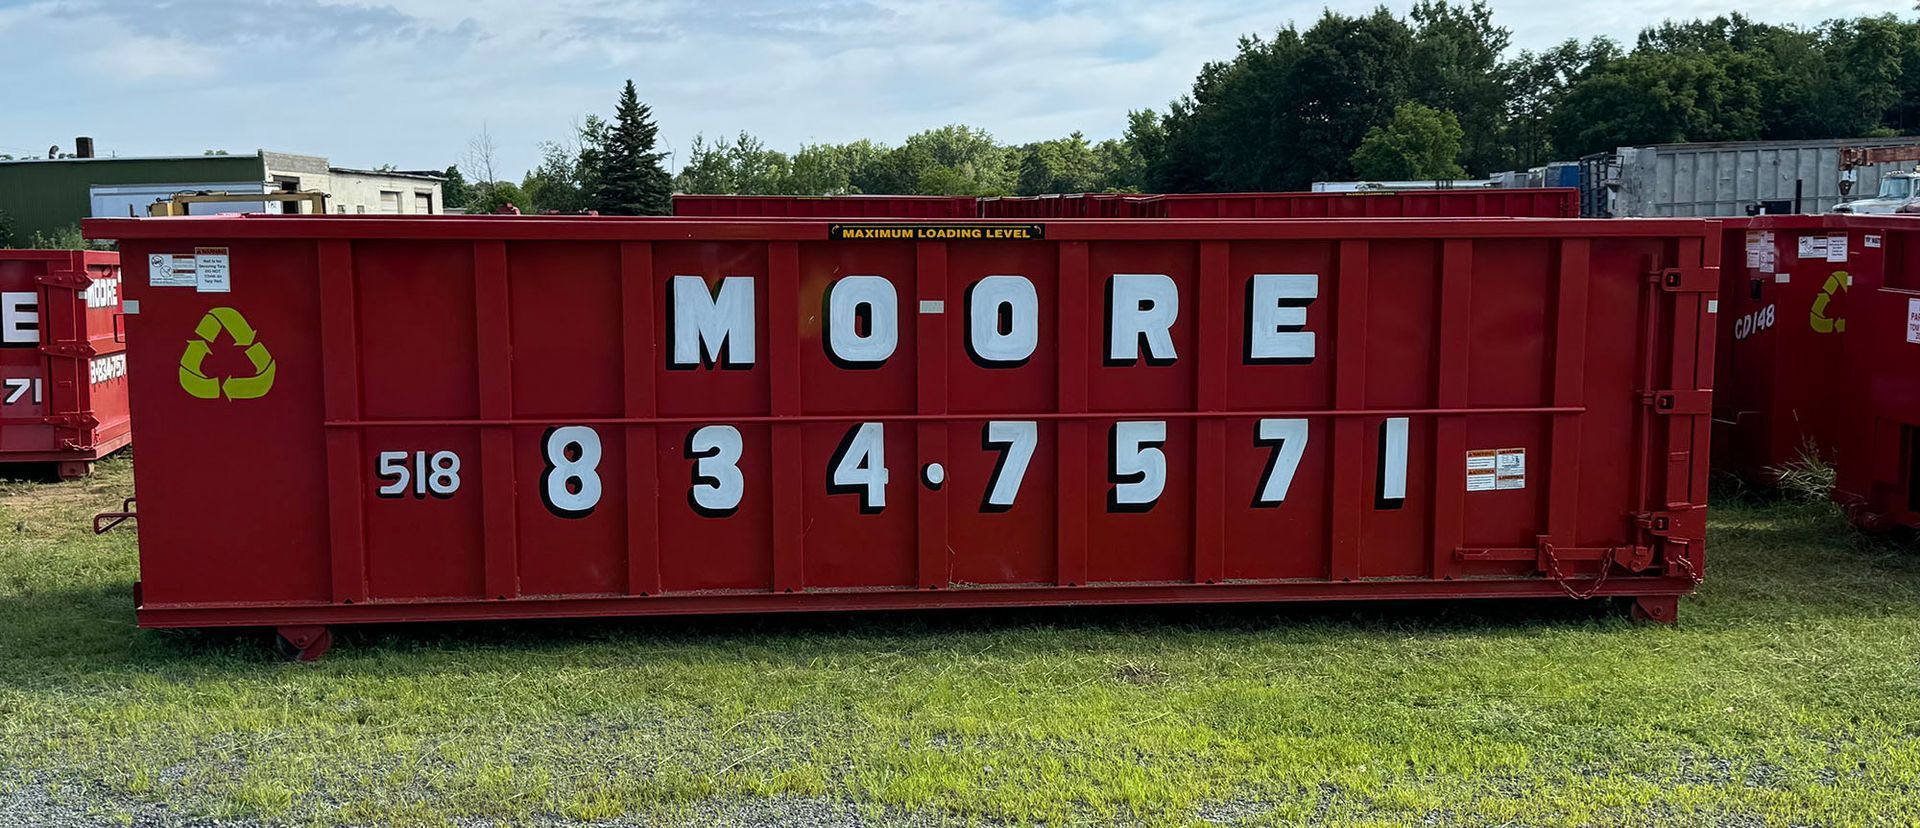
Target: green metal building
44, 195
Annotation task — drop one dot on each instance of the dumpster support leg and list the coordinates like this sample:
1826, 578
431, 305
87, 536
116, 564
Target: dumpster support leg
303, 643
1656, 609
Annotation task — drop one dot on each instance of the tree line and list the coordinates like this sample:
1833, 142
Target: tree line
1433, 94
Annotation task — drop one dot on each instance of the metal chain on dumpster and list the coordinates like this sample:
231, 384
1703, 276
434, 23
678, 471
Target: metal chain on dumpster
1685, 565
1566, 584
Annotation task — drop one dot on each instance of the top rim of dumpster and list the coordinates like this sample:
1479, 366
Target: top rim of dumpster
666, 228
1820, 221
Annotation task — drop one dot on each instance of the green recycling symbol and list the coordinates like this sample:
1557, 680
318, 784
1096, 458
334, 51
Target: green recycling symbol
194, 381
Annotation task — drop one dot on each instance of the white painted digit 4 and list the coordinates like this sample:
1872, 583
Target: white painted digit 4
860, 467
571, 484
17, 388
717, 484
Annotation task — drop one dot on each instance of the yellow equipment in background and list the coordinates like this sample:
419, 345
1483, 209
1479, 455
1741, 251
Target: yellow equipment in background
178, 203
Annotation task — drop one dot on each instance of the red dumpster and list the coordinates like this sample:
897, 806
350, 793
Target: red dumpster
1790, 284
1544, 202
847, 206
518, 417
1878, 472
63, 373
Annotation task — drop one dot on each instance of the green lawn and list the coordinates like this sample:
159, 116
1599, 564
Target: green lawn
1788, 694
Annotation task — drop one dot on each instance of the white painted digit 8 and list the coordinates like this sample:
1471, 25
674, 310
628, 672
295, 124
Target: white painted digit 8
444, 473
571, 485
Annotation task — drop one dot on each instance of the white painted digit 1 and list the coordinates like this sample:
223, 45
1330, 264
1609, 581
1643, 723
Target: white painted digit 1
1016, 440
1136, 465
717, 484
1288, 439
571, 484
859, 466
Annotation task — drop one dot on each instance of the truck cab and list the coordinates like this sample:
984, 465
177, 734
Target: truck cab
1899, 193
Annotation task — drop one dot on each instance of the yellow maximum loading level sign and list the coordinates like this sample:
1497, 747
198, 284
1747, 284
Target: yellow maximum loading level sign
193, 377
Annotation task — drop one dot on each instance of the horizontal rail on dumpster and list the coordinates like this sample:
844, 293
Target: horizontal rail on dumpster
960, 416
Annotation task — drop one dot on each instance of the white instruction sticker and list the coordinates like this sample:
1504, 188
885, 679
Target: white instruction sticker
1510, 469
1913, 319
1871, 241
210, 263
1837, 247
1813, 247
1492, 469
164, 270
1760, 254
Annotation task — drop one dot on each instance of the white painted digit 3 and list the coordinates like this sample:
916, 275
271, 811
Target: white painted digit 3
571, 484
717, 484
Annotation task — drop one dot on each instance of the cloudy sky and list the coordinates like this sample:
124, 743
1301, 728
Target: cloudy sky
410, 82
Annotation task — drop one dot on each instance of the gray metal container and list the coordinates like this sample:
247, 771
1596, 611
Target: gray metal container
1722, 178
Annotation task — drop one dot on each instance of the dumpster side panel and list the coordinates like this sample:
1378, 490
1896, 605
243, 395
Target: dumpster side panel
63, 388
1878, 466
688, 416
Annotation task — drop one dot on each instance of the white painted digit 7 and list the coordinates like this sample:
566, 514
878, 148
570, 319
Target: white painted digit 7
571, 484
1288, 439
1016, 440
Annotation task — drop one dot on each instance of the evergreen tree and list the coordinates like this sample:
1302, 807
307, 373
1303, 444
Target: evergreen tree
455, 192
629, 178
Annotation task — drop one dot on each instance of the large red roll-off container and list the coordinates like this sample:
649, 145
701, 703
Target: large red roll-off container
1878, 470
398, 419
843, 206
63, 373
1512, 202
1791, 287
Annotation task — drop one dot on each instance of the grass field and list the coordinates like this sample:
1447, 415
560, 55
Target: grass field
1788, 694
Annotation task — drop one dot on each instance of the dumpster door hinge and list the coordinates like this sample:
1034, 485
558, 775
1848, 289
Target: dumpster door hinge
73, 279
1693, 401
1689, 279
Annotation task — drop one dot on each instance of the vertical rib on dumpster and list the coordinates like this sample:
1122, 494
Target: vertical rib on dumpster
783, 358
1450, 381
495, 332
1569, 384
643, 444
1075, 331
1349, 395
930, 281
1210, 441
340, 362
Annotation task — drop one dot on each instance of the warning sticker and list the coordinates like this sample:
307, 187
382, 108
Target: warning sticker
1494, 469
1913, 319
1837, 247
1760, 252
210, 265
168, 270
1813, 247
1870, 241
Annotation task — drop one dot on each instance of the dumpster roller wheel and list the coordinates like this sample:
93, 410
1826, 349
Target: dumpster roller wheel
302, 643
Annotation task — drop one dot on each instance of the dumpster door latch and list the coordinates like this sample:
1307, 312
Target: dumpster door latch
1692, 401
1682, 523
1689, 279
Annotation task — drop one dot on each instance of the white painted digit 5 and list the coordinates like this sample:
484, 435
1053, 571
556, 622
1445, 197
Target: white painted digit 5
571, 484
860, 466
717, 484
1137, 467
